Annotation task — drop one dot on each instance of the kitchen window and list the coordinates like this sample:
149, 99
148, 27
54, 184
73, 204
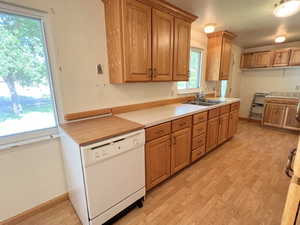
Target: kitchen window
27, 105
193, 85
224, 87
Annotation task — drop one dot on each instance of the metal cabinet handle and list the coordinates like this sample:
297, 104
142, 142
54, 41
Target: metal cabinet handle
288, 170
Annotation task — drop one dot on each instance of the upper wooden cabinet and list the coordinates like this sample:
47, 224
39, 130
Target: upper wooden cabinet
147, 40
269, 59
246, 60
261, 59
182, 50
137, 41
162, 40
219, 55
281, 57
295, 57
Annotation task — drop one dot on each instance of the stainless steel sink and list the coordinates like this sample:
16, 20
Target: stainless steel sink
206, 102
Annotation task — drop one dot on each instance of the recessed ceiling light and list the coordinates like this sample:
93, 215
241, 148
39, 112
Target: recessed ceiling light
209, 28
280, 39
287, 8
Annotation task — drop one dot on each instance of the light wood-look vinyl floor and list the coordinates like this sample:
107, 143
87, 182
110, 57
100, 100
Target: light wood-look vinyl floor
240, 183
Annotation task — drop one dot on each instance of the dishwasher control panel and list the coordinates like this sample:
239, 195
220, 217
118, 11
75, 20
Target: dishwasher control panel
109, 148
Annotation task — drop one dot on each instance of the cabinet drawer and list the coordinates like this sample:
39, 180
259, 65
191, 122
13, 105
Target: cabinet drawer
200, 117
214, 113
224, 109
181, 123
158, 131
199, 129
197, 153
235, 106
199, 141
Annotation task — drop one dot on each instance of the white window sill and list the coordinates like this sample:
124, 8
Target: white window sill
188, 91
28, 138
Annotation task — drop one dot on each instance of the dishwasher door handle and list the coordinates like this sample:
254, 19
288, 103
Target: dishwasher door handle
288, 170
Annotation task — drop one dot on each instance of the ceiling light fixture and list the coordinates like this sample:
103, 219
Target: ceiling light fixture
209, 28
280, 39
286, 8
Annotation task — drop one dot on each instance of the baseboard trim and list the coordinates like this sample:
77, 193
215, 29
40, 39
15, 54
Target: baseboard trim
249, 120
35, 210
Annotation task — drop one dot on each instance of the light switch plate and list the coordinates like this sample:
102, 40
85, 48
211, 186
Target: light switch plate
99, 69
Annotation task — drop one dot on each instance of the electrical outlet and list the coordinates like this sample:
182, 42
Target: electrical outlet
297, 87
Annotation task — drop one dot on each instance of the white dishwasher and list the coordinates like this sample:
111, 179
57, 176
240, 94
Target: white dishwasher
114, 175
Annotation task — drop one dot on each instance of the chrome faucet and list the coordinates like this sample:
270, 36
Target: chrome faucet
200, 96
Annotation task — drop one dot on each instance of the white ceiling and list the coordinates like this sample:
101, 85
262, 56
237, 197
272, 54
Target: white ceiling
252, 20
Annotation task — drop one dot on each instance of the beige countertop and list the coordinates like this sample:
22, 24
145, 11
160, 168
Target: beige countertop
153, 116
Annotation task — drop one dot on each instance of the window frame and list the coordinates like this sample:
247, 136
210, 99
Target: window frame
51, 132
194, 90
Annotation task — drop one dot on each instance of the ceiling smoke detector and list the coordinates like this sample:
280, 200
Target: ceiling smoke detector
286, 8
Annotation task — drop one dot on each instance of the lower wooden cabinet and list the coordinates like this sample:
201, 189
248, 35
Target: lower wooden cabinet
274, 114
290, 121
233, 123
158, 161
223, 128
212, 134
181, 149
197, 153
172, 146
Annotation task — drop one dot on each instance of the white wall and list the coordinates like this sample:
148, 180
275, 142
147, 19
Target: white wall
266, 80
32, 174
29, 176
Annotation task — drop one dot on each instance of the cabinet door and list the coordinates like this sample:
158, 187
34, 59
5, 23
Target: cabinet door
137, 41
162, 45
262, 59
295, 57
181, 149
181, 50
225, 59
291, 212
274, 114
212, 134
281, 57
290, 121
223, 128
233, 123
158, 159
246, 61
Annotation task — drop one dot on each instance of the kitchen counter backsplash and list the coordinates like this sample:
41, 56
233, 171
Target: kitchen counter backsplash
288, 94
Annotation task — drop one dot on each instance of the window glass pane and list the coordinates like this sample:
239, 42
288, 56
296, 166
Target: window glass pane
195, 71
223, 88
26, 102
